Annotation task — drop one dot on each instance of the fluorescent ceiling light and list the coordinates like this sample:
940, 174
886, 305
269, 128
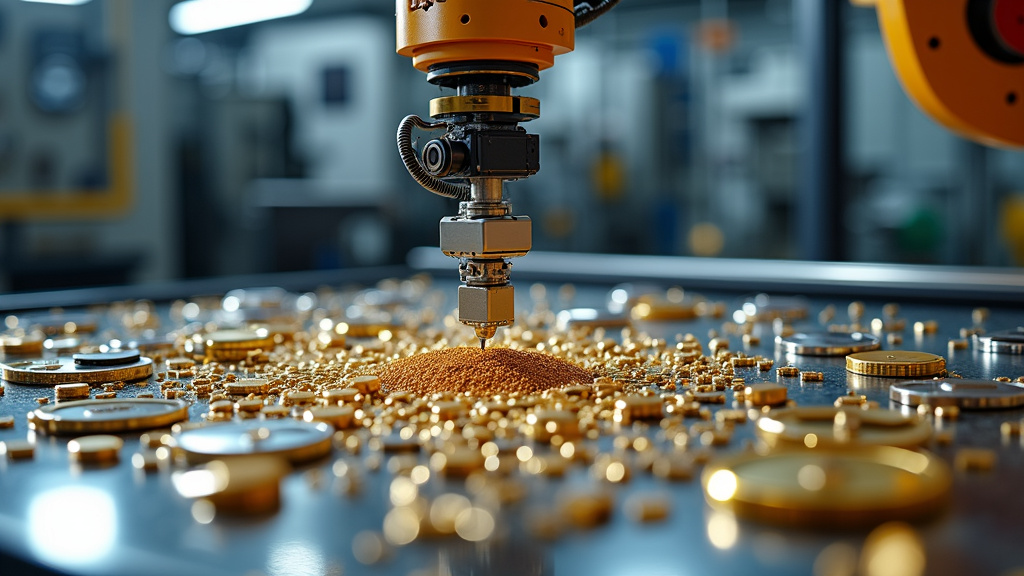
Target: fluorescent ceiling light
64, 2
198, 16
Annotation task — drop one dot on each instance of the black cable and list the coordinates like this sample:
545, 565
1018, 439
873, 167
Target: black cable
416, 170
589, 10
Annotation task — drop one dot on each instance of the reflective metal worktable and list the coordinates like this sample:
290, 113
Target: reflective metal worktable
117, 520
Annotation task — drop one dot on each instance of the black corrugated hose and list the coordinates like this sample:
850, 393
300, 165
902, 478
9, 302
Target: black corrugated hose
589, 10
459, 192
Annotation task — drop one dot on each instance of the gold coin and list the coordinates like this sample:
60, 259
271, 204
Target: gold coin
845, 426
234, 345
895, 363
99, 449
848, 488
64, 370
113, 416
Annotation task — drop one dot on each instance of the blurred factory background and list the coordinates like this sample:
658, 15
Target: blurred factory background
136, 147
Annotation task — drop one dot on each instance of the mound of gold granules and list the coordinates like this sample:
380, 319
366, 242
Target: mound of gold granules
481, 372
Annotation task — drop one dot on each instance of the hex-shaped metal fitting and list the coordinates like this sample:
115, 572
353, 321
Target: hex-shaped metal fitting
486, 237
493, 305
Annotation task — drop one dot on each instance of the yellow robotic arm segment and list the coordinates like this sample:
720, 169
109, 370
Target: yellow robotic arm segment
961, 61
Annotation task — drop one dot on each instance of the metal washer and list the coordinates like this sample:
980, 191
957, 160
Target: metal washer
1004, 342
290, 439
107, 416
828, 343
968, 394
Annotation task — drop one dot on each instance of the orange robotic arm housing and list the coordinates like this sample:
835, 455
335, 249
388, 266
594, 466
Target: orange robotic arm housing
435, 32
961, 61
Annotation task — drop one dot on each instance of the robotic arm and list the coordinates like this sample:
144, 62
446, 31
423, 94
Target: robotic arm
483, 50
961, 61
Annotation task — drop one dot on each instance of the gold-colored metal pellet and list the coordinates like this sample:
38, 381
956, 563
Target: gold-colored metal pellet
147, 461
341, 417
298, 398
766, 394
751, 340
957, 345
17, 449
343, 396
788, 371
710, 397
42, 400
460, 462
894, 339
6, 422
156, 438
248, 406
1010, 428
765, 365
851, 399
812, 376
246, 386
644, 508
543, 425
633, 408
731, 416
855, 311
1003, 379
975, 459
71, 391
275, 411
365, 384
98, 449
674, 467
223, 406
979, 315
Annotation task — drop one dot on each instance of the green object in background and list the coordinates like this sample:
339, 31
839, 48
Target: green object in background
920, 236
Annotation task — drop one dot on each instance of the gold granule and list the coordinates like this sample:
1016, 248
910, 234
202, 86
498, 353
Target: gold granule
480, 372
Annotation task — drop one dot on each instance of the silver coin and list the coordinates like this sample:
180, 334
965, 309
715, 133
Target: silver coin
291, 439
828, 343
978, 394
1004, 342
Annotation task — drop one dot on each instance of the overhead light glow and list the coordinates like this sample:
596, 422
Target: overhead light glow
62, 2
198, 16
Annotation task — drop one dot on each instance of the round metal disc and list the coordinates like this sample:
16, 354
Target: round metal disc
110, 416
117, 358
765, 308
957, 392
861, 487
64, 370
291, 439
815, 426
828, 343
895, 363
1005, 342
